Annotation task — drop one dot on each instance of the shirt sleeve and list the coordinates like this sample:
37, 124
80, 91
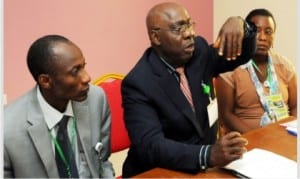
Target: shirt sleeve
204, 156
228, 78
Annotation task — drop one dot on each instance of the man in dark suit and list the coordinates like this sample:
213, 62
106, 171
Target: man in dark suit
168, 127
32, 148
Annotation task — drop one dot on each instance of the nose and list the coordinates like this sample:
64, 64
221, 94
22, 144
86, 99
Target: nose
85, 77
261, 35
189, 32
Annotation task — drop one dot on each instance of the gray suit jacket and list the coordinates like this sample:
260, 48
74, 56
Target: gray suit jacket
27, 142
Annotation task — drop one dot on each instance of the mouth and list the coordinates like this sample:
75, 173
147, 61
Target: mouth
189, 48
262, 47
85, 91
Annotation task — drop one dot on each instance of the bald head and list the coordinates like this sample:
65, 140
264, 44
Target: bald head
171, 32
160, 13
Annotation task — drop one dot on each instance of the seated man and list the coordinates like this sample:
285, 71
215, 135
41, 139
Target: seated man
52, 130
166, 110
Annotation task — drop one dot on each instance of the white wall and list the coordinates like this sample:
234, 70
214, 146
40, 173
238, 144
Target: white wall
284, 12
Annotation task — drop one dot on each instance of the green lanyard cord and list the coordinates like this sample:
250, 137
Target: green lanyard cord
60, 152
269, 78
255, 66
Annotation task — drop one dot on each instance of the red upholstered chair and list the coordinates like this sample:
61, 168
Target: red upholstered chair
111, 83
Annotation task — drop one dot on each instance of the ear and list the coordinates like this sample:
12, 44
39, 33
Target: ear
155, 38
44, 81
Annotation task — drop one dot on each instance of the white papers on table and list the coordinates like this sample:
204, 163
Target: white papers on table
291, 127
260, 163
292, 123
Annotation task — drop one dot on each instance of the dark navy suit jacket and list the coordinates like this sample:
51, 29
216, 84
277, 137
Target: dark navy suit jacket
163, 129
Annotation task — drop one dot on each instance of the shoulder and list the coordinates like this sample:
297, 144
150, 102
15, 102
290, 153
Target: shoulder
200, 44
96, 94
147, 66
283, 65
231, 76
227, 77
20, 105
16, 114
199, 40
95, 90
96, 101
281, 60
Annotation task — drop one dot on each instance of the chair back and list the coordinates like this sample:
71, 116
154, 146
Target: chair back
222, 129
111, 84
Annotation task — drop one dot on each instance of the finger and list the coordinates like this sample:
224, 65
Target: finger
232, 134
222, 40
234, 47
217, 43
237, 151
234, 157
234, 153
229, 43
239, 44
238, 141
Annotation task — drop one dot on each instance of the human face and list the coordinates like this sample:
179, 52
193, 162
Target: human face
70, 80
176, 36
265, 34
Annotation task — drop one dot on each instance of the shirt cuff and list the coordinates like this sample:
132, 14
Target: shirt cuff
204, 156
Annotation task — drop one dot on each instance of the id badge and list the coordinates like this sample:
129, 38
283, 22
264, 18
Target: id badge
277, 106
212, 110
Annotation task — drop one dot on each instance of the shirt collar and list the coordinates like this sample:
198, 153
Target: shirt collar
170, 68
51, 115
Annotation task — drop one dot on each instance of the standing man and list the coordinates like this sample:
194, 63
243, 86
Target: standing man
61, 127
166, 110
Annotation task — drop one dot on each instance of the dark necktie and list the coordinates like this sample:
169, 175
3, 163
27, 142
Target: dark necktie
185, 86
67, 168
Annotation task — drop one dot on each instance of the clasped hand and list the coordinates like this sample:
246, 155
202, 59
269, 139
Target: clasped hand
228, 148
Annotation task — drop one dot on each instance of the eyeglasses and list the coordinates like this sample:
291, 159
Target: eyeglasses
179, 29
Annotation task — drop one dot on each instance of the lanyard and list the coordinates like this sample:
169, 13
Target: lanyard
60, 152
259, 89
271, 80
268, 82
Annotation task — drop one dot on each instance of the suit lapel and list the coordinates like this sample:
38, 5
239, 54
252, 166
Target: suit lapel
38, 133
177, 97
44, 148
84, 134
172, 89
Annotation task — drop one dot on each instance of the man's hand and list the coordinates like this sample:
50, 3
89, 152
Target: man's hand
228, 148
230, 38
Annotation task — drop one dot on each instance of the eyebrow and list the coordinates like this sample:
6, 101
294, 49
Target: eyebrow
268, 27
180, 22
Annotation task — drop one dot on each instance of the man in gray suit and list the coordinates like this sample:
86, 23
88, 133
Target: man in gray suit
32, 123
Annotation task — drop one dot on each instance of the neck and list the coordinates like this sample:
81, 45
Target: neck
261, 59
58, 104
174, 62
261, 67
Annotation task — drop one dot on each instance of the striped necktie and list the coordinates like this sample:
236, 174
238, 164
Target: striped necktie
185, 86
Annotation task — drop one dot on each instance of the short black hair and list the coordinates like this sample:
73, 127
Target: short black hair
260, 12
40, 54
